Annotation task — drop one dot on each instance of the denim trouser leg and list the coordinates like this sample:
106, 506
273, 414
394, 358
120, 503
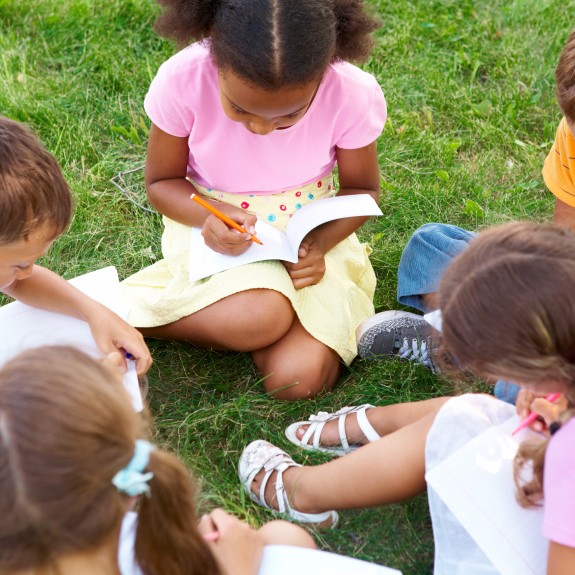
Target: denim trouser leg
424, 260
427, 255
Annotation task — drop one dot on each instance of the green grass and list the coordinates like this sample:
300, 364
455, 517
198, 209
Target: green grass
469, 86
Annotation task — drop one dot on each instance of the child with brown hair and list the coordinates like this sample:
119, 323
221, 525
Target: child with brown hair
75, 461
432, 247
36, 208
519, 278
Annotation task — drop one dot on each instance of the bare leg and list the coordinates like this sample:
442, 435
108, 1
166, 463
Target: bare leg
297, 366
389, 470
245, 321
385, 420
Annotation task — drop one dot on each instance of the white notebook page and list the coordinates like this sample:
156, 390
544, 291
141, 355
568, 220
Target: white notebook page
23, 327
476, 483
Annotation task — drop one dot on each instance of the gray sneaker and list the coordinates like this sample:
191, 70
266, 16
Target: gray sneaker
398, 333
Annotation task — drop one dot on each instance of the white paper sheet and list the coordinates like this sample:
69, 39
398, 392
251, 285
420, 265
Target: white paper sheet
476, 483
205, 262
23, 327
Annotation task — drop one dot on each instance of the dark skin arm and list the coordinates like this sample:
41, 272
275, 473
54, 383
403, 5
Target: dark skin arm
358, 174
169, 192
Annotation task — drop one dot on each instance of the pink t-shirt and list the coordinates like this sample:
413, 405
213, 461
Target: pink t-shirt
348, 112
559, 486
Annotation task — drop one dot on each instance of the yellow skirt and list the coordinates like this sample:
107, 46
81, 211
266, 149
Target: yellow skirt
330, 310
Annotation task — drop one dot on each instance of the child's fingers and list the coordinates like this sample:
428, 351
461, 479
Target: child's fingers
545, 409
137, 350
523, 402
115, 362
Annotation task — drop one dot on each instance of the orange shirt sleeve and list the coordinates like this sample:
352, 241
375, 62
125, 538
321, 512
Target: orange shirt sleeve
559, 166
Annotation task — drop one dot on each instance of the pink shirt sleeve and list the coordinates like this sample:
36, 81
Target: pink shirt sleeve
559, 486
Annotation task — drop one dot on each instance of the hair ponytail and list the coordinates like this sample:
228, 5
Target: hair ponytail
185, 21
354, 27
167, 536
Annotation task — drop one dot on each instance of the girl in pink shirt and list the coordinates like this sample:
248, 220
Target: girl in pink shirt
508, 309
254, 117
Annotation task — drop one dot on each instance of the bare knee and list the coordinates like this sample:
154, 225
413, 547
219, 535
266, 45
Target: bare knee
260, 319
294, 378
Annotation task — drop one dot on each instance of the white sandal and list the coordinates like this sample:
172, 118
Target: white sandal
260, 455
318, 421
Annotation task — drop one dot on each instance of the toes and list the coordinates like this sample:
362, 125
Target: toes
300, 431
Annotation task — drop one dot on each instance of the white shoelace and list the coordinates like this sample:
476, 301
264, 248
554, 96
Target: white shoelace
416, 352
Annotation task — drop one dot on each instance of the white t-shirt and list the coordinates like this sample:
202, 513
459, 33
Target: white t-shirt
126, 558
276, 559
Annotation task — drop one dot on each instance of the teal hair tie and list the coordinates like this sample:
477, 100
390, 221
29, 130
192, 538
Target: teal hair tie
131, 480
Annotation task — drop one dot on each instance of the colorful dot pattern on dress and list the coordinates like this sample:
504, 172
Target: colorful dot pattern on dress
276, 208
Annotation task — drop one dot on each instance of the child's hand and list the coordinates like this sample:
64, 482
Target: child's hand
111, 333
220, 238
235, 545
528, 402
310, 267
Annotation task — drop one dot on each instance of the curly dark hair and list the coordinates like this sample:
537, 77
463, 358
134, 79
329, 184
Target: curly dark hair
272, 43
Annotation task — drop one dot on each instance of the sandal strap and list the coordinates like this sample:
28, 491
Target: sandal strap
341, 428
314, 431
366, 427
278, 462
315, 428
285, 507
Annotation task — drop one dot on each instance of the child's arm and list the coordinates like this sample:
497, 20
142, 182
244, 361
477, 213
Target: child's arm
564, 215
560, 560
169, 192
46, 290
358, 174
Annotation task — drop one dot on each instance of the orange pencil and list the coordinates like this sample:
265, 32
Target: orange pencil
223, 217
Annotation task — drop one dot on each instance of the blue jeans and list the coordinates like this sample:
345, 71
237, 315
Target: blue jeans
424, 260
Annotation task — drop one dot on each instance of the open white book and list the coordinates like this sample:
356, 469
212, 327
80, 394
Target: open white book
23, 327
287, 560
476, 483
205, 262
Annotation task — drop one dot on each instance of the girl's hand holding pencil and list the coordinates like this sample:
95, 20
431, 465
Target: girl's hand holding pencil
227, 230
538, 411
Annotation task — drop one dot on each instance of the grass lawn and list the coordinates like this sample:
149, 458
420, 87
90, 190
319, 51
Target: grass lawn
472, 115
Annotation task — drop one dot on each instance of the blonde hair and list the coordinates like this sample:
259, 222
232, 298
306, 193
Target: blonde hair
508, 308
66, 428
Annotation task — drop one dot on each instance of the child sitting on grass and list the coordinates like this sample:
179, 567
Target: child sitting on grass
508, 308
254, 116
75, 462
433, 247
36, 208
